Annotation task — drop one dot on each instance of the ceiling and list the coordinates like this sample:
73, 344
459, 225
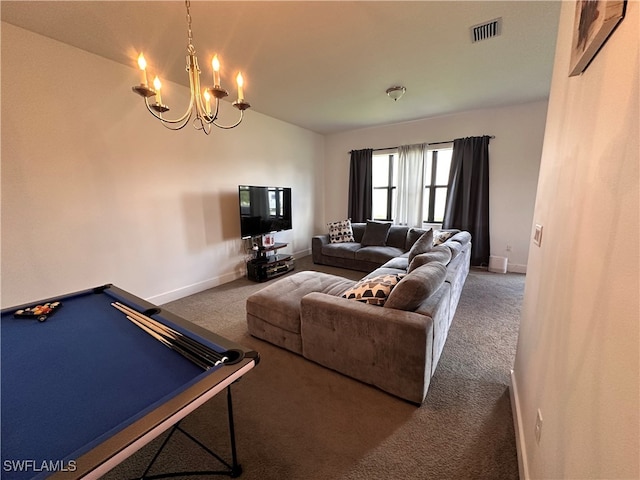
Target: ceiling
323, 65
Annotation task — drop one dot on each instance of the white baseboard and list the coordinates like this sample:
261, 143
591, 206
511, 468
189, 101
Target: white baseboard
302, 253
516, 268
194, 288
523, 466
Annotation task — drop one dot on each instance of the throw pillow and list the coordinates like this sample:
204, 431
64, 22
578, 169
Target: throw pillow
422, 245
440, 254
441, 236
375, 234
413, 234
340, 232
416, 287
373, 291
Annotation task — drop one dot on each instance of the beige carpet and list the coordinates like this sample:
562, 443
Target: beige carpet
297, 420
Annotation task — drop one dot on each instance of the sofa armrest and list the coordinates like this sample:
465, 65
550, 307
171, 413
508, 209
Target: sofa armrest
391, 349
317, 242
321, 239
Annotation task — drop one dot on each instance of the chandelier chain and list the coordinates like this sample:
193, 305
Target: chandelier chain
188, 5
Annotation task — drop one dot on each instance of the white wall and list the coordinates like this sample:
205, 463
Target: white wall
514, 159
577, 357
95, 190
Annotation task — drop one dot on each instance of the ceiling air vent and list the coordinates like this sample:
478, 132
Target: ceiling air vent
486, 30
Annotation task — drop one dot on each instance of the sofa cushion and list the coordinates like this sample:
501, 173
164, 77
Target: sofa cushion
373, 291
413, 234
375, 234
279, 303
416, 287
455, 248
399, 263
341, 250
440, 253
358, 231
341, 231
335, 288
377, 255
422, 245
385, 271
397, 237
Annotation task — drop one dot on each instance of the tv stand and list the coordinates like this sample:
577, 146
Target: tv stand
264, 267
261, 252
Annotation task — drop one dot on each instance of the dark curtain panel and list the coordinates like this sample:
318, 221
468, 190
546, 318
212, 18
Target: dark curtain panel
467, 206
360, 185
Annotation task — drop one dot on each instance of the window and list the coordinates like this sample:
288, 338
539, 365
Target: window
276, 202
385, 176
438, 164
384, 179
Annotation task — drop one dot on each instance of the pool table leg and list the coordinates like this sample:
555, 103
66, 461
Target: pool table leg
235, 470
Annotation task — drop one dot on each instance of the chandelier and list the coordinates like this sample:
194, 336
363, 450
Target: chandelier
204, 113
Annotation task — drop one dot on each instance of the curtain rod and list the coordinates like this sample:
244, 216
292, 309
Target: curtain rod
432, 143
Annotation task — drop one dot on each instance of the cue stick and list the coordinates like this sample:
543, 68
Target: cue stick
166, 331
170, 335
165, 342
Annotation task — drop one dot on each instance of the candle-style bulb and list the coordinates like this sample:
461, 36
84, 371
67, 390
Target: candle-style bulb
215, 64
240, 82
142, 64
157, 86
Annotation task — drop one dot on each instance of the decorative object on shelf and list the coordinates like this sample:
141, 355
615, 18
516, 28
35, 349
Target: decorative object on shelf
594, 23
268, 240
396, 92
203, 113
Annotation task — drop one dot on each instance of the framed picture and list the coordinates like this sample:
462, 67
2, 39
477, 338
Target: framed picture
594, 22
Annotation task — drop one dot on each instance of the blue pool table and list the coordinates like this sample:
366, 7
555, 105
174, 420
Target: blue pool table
84, 389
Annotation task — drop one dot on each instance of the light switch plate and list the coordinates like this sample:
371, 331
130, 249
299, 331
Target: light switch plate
537, 236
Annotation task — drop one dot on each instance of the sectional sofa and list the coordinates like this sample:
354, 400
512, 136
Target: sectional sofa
387, 330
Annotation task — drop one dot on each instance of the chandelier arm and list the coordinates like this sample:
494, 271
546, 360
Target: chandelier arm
228, 127
204, 125
214, 115
184, 118
174, 127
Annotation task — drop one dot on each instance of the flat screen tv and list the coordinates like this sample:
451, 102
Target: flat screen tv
264, 210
